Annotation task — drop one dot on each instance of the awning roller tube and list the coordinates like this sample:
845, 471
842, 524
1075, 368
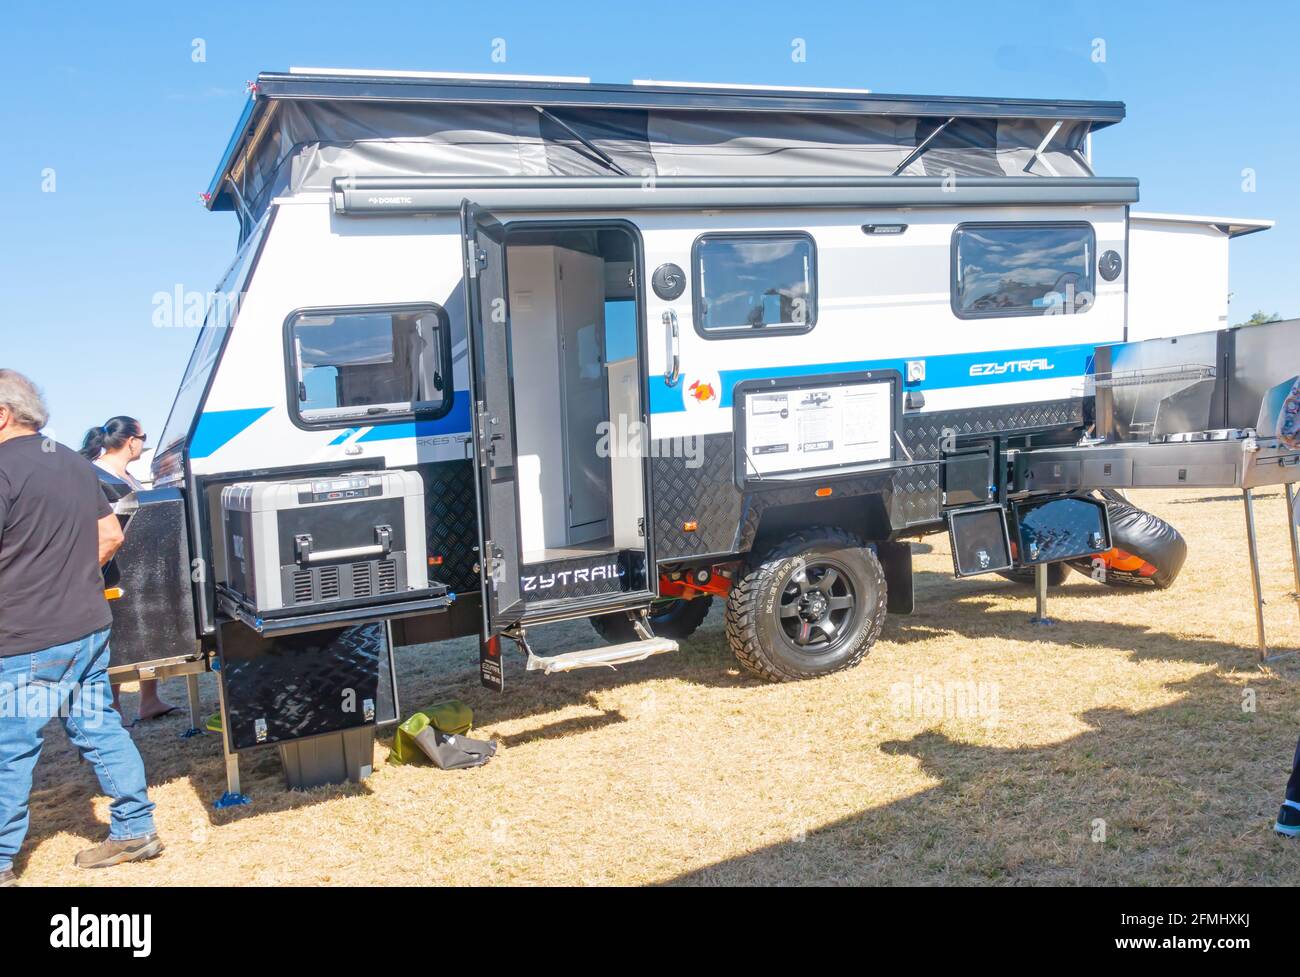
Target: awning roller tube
435, 195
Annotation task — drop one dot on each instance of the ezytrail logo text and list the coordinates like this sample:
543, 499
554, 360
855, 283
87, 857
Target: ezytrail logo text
1010, 366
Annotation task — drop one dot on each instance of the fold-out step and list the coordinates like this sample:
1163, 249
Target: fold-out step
608, 655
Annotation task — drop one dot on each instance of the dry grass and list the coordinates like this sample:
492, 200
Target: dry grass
681, 769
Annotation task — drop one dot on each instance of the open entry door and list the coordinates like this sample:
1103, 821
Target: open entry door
538, 562
488, 319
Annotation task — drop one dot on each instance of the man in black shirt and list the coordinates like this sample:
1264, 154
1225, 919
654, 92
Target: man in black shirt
56, 531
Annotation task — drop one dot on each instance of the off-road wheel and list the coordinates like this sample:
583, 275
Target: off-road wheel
676, 619
814, 604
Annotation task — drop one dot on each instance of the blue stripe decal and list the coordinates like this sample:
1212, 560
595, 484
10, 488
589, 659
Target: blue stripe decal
344, 435
216, 428
456, 421
946, 370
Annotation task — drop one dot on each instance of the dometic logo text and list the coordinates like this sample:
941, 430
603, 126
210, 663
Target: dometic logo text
1009, 366
95, 931
397, 201
545, 581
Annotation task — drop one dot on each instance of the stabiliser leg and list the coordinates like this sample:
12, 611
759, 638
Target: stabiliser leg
1252, 545
192, 695
233, 797
1040, 595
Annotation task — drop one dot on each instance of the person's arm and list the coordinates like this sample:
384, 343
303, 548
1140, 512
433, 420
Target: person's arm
4, 505
110, 537
110, 527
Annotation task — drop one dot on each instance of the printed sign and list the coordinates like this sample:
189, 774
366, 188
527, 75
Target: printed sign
490, 673
799, 428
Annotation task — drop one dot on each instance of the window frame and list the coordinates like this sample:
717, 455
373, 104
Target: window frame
291, 378
740, 332
1018, 313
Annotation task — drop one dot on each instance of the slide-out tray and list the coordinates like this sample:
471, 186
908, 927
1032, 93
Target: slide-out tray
290, 620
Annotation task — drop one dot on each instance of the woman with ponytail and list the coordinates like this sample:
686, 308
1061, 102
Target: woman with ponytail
113, 446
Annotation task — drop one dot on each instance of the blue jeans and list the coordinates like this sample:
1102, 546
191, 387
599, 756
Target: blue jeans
71, 682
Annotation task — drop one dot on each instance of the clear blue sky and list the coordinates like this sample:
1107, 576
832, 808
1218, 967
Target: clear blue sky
108, 96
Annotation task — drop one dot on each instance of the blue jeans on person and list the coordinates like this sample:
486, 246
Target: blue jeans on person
69, 681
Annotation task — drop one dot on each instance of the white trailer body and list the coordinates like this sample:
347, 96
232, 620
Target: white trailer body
638, 342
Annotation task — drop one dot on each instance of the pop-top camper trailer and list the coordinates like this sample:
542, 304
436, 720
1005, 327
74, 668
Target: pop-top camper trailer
499, 353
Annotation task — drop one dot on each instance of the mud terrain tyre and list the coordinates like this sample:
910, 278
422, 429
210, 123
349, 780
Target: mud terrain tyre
812, 605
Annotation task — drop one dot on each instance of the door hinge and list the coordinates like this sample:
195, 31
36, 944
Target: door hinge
480, 257
640, 526
493, 560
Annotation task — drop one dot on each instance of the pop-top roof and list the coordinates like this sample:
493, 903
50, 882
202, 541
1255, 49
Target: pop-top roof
1231, 226
302, 128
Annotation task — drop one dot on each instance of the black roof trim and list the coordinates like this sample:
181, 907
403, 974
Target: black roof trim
385, 88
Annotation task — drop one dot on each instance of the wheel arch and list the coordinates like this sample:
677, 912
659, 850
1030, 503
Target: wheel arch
866, 516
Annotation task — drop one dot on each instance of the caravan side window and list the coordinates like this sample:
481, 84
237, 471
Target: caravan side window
1010, 269
757, 283
368, 363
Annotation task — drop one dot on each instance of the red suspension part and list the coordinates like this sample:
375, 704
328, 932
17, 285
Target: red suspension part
692, 583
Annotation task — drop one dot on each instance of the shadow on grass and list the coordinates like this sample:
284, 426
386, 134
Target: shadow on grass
1231, 497
1162, 796
565, 727
1119, 624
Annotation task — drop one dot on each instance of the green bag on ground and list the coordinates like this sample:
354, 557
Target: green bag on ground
452, 717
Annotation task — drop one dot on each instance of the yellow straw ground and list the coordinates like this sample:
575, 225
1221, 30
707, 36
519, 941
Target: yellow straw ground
1135, 741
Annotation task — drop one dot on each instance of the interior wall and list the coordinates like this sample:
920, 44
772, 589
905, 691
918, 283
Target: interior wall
558, 292
585, 392
534, 311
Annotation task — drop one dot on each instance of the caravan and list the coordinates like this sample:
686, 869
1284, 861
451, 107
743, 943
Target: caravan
504, 352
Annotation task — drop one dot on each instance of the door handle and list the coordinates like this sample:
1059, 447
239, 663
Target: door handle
674, 371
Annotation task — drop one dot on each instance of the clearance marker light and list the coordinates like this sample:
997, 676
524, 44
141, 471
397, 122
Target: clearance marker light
690, 527
821, 493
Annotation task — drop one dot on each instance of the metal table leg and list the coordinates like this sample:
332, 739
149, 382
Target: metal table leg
192, 694
1252, 543
1294, 532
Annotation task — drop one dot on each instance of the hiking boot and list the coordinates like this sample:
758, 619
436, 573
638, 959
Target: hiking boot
116, 852
7, 878
1288, 821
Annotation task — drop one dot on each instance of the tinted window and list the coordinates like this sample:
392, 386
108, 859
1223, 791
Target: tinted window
759, 281
1022, 269
368, 364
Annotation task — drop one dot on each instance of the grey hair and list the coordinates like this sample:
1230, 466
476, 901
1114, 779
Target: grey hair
23, 400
